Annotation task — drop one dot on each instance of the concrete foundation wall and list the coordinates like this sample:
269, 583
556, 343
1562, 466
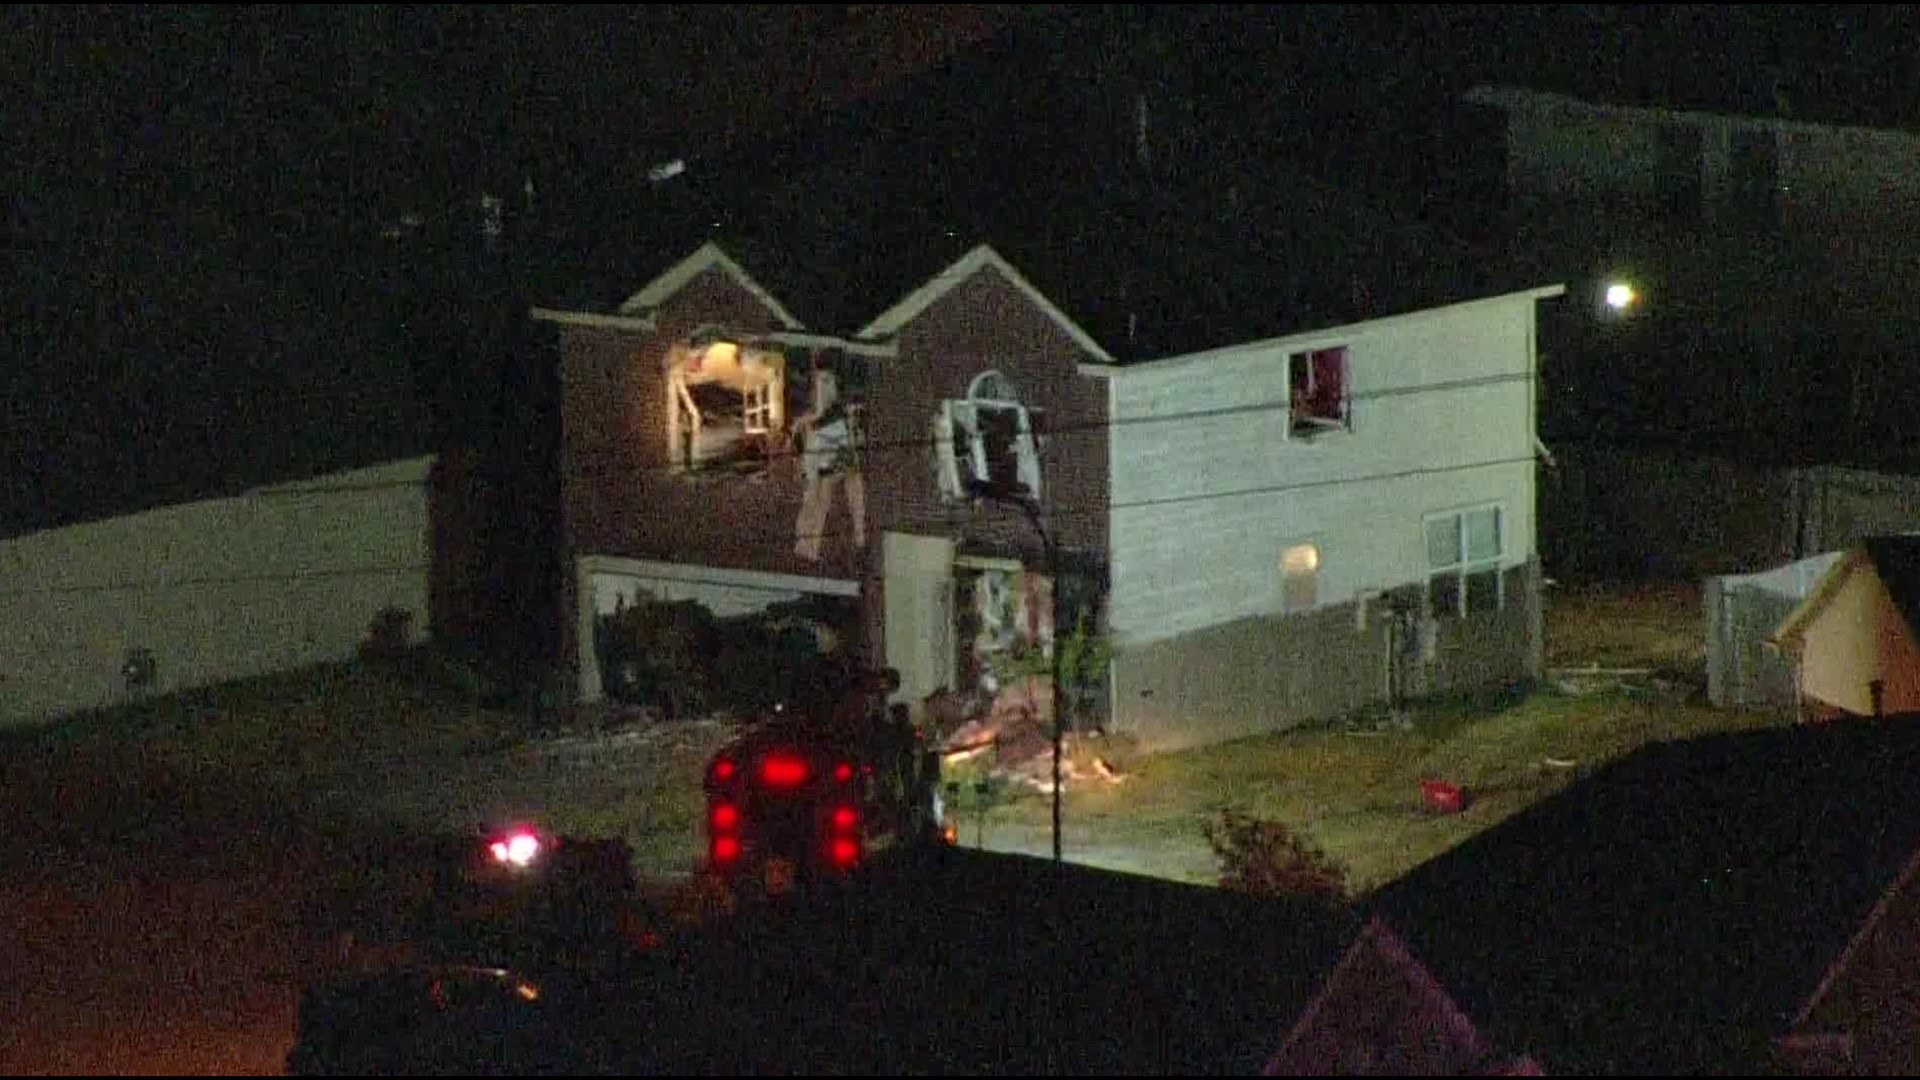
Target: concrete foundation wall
1269, 673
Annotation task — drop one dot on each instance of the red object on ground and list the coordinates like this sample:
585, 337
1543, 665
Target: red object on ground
1443, 797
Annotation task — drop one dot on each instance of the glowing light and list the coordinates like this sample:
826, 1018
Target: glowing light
843, 772
845, 817
520, 849
845, 852
726, 849
1301, 559
725, 815
724, 769
1620, 296
781, 770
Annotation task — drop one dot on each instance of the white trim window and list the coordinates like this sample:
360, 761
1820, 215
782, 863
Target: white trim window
985, 442
1299, 577
1465, 552
726, 399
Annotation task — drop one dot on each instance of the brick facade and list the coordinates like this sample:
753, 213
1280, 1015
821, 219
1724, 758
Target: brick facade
622, 498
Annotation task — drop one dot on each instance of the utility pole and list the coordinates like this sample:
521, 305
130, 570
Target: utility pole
1029, 504
1051, 552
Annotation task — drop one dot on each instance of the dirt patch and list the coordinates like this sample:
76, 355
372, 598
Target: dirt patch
1659, 627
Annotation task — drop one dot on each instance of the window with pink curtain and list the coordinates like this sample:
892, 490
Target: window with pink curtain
1318, 388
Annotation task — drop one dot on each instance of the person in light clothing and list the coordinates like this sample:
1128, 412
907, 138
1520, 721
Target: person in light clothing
829, 459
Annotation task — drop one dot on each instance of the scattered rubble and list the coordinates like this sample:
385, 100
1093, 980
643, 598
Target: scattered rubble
1595, 679
1010, 738
1013, 739
624, 730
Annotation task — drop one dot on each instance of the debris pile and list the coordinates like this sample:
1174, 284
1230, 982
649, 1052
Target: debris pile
637, 731
1595, 679
1013, 738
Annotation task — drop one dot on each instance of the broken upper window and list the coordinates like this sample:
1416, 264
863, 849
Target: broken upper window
1318, 393
1464, 553
984, 444
726, 401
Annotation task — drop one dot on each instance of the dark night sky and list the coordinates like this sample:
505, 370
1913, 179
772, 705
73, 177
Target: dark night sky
194, 193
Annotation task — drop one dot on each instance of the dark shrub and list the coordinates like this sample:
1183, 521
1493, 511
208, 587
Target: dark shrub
1271, 858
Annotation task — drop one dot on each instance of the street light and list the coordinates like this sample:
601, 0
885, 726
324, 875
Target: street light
1620, 296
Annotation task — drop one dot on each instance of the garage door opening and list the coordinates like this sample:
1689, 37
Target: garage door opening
686, 642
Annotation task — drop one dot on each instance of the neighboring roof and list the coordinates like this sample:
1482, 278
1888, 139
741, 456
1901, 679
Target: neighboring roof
1674, 910
1382, 1013
709, 256
1518, 98
1873, 926
973, 262
1792, 581
1895, 559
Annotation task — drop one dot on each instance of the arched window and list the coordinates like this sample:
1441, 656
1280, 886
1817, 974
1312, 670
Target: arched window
984, 444
990, 385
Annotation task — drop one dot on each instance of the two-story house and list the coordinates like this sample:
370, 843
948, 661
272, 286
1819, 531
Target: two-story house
1309, 524
685, 480
1266, 532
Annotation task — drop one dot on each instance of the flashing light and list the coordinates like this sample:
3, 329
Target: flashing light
516, 849
782, 770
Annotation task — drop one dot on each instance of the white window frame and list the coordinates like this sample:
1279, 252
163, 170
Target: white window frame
1314, 427
1464, 566
1318, 562
762, 410
960, 445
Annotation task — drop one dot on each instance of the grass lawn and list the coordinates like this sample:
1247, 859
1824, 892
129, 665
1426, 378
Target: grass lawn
1657, 626
1357, 793
251, 750
407, 748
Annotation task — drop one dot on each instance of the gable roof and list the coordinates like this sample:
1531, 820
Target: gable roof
1383, 1004
1897, 559
1673, 911
1211, 239
1550, 103
708, 256
1894, 559
1875, 922
1331, 334
983, 257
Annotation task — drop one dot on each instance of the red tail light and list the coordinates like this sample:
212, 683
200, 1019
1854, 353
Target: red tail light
724, 816
724, 768
726, 849
845, 817
782, 770
845, 851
